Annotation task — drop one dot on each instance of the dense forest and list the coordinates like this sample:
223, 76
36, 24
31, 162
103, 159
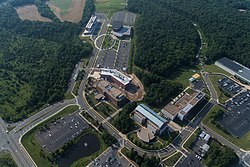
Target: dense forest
224, 25
221, 156
36, 58
166, 39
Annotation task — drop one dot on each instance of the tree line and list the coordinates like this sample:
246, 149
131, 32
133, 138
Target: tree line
36, 59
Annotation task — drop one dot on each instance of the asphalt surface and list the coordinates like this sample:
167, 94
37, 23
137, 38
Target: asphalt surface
61, 131
111, 158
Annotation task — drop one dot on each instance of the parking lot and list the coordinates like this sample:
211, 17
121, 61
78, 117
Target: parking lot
115, 59
127, 18
194, 159
229, 86
110, 158
237, 119
60, 132
198, 85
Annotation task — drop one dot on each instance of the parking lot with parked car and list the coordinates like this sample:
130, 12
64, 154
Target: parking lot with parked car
110, 158
237, 118
229, 86
58, 133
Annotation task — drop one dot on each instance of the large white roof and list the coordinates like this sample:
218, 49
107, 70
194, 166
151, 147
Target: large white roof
117, 75
151, 115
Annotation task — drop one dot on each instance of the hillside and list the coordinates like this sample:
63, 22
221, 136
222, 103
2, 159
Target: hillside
35, 59
166, 40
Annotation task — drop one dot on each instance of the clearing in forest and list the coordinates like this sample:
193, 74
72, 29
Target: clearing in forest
67, 10
30, 12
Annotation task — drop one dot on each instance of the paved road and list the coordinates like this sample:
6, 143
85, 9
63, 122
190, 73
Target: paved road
11, 141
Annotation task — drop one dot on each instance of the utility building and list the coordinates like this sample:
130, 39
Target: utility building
239, 71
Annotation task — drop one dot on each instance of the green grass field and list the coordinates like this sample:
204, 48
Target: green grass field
173, 159
104, 109
64, 5
183, 76
243, 142
109, 7
214, 69
33, 147
221, 95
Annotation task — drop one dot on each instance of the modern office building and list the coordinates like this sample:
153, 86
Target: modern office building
113, 75
111, 93
182, 104
90, 25
239, 71
119, 30
150, 119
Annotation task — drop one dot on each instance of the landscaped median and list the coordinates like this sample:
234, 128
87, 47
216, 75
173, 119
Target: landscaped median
172, 159
188, 144
243, 142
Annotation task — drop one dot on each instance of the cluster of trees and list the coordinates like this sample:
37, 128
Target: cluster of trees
107, 138
166, 38
224, 26
6, 160
165, 41
142, 161
221, 156
123, 122
36, 59
159, 90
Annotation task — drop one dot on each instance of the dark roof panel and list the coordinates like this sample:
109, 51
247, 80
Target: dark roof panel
230, 64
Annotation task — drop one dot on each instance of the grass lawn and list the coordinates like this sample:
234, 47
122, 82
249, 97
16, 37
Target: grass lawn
6, 160
33, 147
109, 7
213, 68
76, 87
68, 96
91, 99
243, 142
64, 5
192, 138
173, 159
221, 95
183, 76
107, 42
104, 109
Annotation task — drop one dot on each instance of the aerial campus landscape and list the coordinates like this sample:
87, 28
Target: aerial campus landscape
132, 83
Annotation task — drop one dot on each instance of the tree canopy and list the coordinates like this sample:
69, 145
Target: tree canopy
36, 58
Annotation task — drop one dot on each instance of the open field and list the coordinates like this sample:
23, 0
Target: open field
30, 12
183, 76
214, 69
221, 95
67, 10
109, 7
243, 142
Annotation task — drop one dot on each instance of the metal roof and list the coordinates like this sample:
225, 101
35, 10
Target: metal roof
244, 74
232, 65
151, 115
